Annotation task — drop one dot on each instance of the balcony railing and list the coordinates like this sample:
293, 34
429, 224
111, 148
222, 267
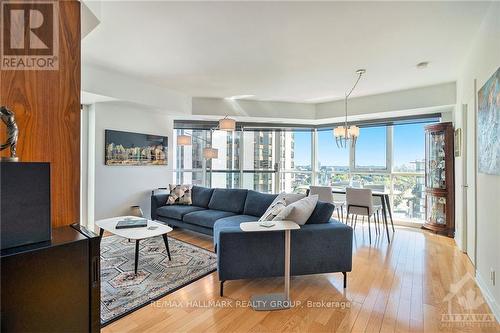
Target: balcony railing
406, 189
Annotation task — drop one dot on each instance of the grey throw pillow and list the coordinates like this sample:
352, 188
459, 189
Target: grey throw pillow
282, 200
299, 211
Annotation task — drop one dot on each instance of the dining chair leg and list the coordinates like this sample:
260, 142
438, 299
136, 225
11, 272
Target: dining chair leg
369, 230
379, 216
355, 220
342, 213
375, 223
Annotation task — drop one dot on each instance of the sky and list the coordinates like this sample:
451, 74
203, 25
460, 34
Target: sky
409, 141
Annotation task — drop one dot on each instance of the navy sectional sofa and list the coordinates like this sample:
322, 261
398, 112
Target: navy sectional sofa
322, 245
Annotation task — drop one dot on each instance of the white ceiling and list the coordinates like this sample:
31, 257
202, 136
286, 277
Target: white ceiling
284, 51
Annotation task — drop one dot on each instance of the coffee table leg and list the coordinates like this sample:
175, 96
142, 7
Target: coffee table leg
136, 254
165, 239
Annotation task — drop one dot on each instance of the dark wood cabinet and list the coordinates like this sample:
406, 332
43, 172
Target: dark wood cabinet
52, 286
439, 179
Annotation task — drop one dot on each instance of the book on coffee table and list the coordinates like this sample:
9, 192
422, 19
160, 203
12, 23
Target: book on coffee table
126, 224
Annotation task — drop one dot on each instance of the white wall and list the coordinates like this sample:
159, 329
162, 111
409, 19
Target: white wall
250, 108
410, 99
117, 188
114, 85
431, 99
481, 62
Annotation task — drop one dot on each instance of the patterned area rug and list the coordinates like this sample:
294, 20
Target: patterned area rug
122, 291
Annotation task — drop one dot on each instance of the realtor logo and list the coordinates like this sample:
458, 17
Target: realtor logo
469, 308
30, 35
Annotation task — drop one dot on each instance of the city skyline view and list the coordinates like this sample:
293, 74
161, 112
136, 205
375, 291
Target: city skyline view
408, 139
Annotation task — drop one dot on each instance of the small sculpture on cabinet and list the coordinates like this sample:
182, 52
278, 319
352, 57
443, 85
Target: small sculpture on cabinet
9, 119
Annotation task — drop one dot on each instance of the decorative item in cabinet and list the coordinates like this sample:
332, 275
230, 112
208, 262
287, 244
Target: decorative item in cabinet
436, 209
439, 178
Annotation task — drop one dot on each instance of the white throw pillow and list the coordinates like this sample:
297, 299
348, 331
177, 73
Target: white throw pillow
299, 211
283, 199
274, 209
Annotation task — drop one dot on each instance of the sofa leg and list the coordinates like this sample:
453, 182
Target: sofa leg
222, 289
345, 279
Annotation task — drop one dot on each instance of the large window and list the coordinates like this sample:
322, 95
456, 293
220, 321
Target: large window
259, 159
408, 196
225, 169
408, 167
386, 159
370, 152
228, 146
191, 157
295, 161
409, 148
189, 177
333, 162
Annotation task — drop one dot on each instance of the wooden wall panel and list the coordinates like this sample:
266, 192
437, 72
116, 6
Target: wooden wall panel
47, 107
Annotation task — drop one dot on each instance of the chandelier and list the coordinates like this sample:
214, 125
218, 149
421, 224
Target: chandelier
345, 133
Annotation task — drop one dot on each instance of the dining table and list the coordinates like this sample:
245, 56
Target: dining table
386, 206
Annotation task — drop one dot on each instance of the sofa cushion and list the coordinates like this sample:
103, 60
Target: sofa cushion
201, 196
176, 211
228, 222
235, 220
206, 218
321, 213
257, 203
229, 200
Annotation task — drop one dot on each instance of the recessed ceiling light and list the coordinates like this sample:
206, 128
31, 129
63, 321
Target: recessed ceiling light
422, 65
240, 97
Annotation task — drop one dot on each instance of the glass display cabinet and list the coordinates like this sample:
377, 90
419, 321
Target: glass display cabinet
439, 179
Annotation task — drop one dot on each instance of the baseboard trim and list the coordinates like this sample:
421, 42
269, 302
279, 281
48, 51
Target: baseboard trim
488, 296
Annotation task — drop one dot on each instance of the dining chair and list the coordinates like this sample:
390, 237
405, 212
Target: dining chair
377, 201
339, 202
359, 201
325, 194
377, 206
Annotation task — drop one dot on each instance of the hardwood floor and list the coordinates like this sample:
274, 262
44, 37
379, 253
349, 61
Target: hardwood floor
399, 287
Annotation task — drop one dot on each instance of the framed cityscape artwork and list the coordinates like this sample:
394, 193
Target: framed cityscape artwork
126, 148
488, 126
